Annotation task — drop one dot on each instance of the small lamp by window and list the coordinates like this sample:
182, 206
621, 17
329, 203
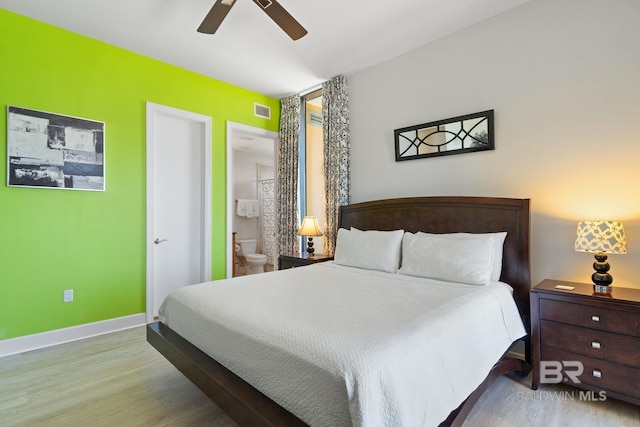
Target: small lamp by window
310, 228
601, 238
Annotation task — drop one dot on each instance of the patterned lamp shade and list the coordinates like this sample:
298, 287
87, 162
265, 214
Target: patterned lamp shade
601, 236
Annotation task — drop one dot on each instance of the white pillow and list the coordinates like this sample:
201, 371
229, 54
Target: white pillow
498, 244
372, 249
463, 259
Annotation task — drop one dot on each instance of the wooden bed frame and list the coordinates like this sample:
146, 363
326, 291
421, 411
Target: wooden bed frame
247, 406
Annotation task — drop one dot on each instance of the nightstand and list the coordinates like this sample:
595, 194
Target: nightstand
298, 260
575, 330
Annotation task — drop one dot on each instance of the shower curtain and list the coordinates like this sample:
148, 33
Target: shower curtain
268, 219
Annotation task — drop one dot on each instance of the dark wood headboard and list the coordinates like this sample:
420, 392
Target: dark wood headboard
457, 214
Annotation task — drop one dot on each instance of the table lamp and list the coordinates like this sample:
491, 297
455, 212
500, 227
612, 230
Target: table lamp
601, 238
310, 228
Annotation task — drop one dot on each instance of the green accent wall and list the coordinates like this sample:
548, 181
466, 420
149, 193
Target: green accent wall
94, 242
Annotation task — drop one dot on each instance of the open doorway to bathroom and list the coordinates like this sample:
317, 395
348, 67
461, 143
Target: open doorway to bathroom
250, 197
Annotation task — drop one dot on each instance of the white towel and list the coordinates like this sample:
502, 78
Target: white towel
248, 207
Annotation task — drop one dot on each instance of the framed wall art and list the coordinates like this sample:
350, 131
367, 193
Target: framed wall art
48, 150
457, 135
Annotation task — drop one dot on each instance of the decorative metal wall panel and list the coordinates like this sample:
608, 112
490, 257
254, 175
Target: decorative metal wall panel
457, 135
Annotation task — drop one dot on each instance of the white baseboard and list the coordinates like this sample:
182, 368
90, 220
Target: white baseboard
74, 333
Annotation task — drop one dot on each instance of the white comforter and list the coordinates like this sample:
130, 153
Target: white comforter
340, 346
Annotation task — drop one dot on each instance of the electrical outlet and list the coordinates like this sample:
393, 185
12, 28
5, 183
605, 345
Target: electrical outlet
68, 295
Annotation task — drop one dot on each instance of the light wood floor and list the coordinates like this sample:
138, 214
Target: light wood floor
119, 380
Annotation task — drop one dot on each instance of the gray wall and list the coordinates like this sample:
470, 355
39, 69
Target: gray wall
563, 77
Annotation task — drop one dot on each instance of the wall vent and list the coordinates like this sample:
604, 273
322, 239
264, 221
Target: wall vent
263, 111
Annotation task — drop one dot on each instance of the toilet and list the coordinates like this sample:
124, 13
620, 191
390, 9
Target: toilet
255, 262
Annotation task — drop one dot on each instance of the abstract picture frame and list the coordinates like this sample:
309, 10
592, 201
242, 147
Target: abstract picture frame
54, 151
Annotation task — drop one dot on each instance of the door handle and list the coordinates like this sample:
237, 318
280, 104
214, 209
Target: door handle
158, 241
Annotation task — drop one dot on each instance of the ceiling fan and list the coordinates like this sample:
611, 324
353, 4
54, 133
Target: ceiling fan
271, 7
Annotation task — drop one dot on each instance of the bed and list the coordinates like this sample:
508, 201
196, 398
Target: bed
249, 406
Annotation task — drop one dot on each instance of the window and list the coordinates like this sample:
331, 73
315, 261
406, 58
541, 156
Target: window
312, 163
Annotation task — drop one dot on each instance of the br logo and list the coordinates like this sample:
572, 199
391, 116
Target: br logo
553, 371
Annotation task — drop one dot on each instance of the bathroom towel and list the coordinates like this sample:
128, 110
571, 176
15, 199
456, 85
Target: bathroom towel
249, 208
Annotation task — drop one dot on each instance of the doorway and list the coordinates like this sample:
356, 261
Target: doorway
247, 138
178, 202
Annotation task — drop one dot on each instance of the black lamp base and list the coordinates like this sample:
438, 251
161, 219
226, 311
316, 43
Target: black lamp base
310, 249
602, 280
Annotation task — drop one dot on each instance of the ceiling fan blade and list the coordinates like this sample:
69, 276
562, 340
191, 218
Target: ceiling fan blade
282, 18
215, 16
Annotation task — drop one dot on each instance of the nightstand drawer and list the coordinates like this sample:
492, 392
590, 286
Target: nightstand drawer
592, 343
600, 373
624, 322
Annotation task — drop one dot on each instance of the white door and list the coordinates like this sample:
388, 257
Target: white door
178, 202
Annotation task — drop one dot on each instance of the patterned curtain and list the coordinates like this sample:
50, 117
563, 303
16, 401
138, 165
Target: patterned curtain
287, 175
335, 127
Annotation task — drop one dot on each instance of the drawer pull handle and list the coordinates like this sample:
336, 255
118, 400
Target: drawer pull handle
597, 373
595, 344
595, 318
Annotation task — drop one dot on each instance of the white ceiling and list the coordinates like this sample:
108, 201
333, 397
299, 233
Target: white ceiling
250, 50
